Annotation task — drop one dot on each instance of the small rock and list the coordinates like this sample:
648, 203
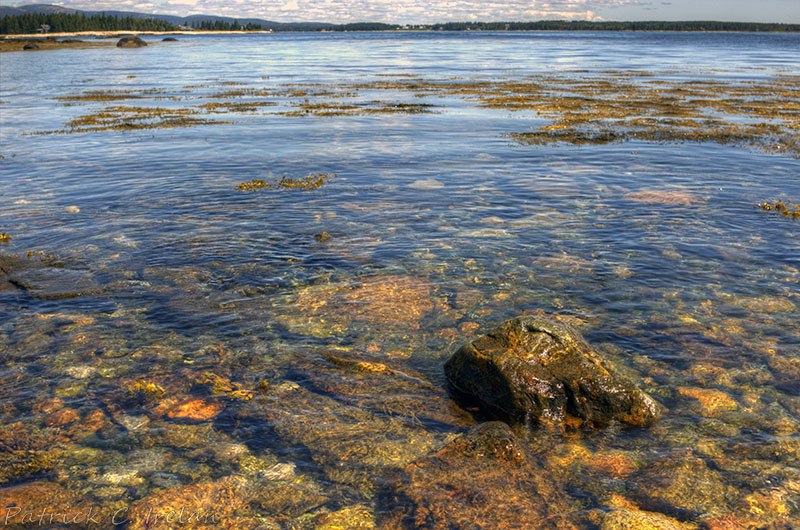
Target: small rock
133, 423
278, 472
165, 480
426, 184
195, 409
670, 198
72, 209
131, 41
539, 369
640, 520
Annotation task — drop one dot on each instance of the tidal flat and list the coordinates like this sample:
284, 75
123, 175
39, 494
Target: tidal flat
232, 270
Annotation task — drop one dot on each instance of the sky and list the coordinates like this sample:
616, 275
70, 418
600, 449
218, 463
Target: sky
429, 11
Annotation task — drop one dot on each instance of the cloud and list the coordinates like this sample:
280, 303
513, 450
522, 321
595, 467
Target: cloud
395, 11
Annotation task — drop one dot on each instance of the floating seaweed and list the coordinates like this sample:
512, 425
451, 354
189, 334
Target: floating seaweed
787, 209
311, 182
5, 238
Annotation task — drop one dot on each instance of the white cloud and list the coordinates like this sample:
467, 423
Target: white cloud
396, 11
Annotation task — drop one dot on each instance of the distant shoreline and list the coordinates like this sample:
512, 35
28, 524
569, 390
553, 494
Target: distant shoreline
110, 34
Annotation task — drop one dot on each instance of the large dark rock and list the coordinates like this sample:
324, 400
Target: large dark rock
169, 39
131, 41
31, 46
484, 479
534, 369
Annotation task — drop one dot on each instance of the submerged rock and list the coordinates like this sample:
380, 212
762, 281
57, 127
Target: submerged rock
131, 41
43, 281
538, 369
482, 479
22, 506
667, 197
195, 506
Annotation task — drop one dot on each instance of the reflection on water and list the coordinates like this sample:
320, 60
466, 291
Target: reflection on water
181, 343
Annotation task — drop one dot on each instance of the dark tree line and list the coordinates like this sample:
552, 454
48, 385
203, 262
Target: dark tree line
31, 22
221, 25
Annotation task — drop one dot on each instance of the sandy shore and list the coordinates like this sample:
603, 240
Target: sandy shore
14, 43
115, 33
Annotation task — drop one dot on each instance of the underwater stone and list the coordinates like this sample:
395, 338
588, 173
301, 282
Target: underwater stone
482, 476
208, 504
41, 281
537, 369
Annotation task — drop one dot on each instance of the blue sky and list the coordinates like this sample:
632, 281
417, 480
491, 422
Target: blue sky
426, 11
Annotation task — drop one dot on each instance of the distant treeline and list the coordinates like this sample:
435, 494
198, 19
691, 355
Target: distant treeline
58, 23
221, 25
584, 25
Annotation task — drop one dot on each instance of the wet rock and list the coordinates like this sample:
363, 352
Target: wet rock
667, 197
482, 479
169, 39
131, 41
43, 281
351, 518
22, 505
538, 369
350, 444
395, 303
426, 184
30, 46
197, 409
196, 506
287, 498
640, 520
711, 403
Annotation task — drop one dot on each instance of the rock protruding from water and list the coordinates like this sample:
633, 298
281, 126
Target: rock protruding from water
534, 369
131, 41
169, 39
31, 46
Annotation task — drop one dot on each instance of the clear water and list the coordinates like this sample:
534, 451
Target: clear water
698, 303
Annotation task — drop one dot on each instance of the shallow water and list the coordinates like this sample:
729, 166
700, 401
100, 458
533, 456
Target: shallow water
440, 228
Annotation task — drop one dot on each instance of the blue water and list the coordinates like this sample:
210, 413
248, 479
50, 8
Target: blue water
702, 295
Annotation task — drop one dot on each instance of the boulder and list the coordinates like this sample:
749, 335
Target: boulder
31, 46
537, 370
131, 41
169, 39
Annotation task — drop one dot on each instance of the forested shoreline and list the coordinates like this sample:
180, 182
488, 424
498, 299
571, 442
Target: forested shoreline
69, 23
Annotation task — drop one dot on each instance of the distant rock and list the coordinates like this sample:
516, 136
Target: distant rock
31, 46
667, 197
131, 41
426, 184
169, 39
534, 369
